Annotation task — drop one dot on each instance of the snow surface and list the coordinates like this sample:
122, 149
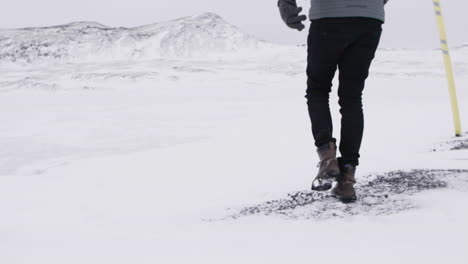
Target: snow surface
107, 157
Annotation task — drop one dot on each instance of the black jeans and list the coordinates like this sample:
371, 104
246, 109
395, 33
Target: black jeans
348, 44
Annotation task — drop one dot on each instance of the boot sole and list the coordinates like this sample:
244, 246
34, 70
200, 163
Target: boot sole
322, 188
345, 199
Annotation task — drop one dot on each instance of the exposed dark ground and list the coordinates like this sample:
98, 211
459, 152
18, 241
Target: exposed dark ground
379, 194
459, 143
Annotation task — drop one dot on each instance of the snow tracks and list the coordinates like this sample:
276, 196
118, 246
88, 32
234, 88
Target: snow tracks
378, 194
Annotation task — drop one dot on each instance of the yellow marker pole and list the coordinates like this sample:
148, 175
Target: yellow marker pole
448, 67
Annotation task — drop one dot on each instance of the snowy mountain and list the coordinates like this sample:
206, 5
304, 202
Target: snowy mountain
199, 35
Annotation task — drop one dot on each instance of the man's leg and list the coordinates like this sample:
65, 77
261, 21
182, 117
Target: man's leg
325, 46
354, 69
326, 43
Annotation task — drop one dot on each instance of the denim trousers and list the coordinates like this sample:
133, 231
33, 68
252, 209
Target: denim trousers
349, 45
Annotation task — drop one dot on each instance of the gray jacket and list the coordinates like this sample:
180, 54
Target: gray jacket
347, 8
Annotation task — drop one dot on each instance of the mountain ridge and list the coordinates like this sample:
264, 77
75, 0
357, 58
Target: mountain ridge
192, 36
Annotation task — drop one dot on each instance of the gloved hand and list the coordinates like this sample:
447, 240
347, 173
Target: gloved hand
385, 1
290, 14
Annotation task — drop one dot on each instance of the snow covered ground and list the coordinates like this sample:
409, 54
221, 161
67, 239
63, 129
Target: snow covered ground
209, 158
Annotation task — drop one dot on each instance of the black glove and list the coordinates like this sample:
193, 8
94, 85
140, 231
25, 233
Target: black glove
290, 14
385, 1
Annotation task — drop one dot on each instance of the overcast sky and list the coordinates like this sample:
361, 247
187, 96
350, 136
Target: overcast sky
410, 23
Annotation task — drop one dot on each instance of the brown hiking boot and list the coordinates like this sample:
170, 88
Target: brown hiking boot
328, 168
344, 189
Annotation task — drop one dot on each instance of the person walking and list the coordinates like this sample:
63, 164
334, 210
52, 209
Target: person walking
343, 35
